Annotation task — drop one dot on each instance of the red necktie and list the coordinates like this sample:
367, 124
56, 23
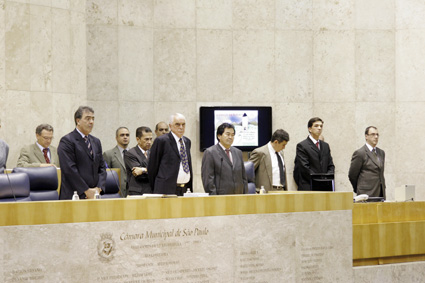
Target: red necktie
46, 157
317, 144
228, 154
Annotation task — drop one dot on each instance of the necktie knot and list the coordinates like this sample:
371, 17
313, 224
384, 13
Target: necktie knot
87, 141
317, 144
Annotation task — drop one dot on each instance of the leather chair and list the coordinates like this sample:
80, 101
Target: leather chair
112, 185
14, 187
250, 175
43, 182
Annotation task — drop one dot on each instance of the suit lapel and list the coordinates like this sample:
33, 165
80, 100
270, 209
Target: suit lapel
140, 156
83, 144
223, 154
372, 156
268, 162
118, 155
174, 144
38, 154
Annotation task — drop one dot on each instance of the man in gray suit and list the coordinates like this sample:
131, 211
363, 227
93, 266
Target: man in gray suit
269, 163
41, 153
136, 163
114, 157
223, 170
366, 172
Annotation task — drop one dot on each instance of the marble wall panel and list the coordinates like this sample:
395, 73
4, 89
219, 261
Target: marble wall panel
175, 65
102, 12
403, 178
390, 273
174, 14
253, 14
253, 66
41, 48
294, 14
214, 65
409, 121
78, 72
338, 119
294, 66
62, 114
334, 66
375, 66
17, 46
41, 110
135, 61
410, 62
102, 62
15, 129
78, 6
409, 14
2, 46
137, 13
375, 14
47, 3
106, 122
214, 14
61, 45
65, 4
293, 118
333, 15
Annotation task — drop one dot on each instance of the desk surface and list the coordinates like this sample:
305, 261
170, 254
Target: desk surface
52, 212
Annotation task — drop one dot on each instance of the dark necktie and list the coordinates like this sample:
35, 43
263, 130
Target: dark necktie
183, 157
228, 154
376, 154
123, 153
317, 144
281, 170
46, 157
86, 139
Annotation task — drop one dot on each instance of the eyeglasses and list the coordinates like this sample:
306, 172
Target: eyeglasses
47, 138
374, 135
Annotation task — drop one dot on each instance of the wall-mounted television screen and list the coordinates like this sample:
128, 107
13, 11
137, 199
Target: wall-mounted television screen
253, 125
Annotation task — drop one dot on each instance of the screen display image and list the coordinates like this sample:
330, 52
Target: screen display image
253, 125
245, 123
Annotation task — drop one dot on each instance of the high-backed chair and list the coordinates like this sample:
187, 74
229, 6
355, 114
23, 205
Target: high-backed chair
14, 187
43, 182
112, 185
250, 174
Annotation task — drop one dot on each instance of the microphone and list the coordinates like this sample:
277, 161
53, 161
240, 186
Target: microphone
113, 176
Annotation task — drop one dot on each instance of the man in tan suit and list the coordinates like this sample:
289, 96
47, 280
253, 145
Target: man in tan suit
366, 172
40, 154
269, 163
114, 157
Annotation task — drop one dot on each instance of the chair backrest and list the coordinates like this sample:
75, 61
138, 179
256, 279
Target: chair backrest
250, 174
14, 187
112, 185
43, 182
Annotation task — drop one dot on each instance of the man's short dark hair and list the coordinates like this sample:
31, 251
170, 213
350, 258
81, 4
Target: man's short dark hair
42, 127
313, 120
116, 132
141, 130
79, 113
280, 135
366, 132
157, 125
224, 126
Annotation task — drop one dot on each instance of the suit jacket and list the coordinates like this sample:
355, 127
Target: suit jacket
4, 152
263, 168
80, 170
309, 159
219, 176
114, 159
366, 172
136, 185
164, 164
31, 156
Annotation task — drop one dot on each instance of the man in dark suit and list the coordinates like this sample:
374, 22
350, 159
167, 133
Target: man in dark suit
312, 156
366, 172
81, 160
269, 170
114, 157
136, 163
223, 170
41, 153
170, 163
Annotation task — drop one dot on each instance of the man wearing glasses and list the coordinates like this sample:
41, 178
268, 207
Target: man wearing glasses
114, 157
366, 172
41, 153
